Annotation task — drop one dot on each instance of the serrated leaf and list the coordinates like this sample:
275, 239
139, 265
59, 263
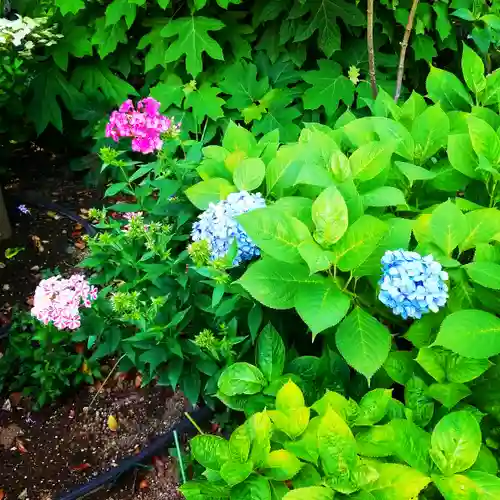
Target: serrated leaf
107, 38
423, 47
205, 102
192, 39
168, 92
449, 226
329, 87
70, 6
363, 342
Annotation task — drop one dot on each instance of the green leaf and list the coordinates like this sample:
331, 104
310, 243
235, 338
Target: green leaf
347, 409
420, 406
485, 140
107, 38
204, 102
275, 233
423, 46
472, 485
492, 92
433, 361
240, 81
360, 240
282, 171
321, 305
270, 353
210, 451
235, 472
70, 6
192, 39
289, 398
241, 378
168, 92
209, 191
329, 87
329, 214
363, 342
122, 8
396, 482
484, 226
275, 283
443, 25
460, 369
373, 406
315, 257
471, 333
311, 493
281, 465
400, 366
455, 442
413, 172
430, 131
486, 274
254, 488
370, 160
240, 443
448, 226
249, 174
473, 70
446, 89
462, 156
336, 445
449, 395
385, 196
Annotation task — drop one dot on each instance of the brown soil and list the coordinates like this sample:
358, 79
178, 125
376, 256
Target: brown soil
43, 454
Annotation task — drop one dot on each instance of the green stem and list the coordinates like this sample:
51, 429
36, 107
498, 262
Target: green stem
179, 456
195, 425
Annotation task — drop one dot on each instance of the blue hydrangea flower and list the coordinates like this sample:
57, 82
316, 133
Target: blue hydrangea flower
217, 225
412, 285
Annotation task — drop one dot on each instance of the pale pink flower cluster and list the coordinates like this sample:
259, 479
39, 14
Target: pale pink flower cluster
144, 125
58, 300
130, 216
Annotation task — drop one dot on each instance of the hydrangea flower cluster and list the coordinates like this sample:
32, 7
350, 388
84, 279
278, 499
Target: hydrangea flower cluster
218, 227
412, 285
58, 300
144, 125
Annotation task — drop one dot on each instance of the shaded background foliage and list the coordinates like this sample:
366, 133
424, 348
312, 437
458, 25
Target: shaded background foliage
266, 64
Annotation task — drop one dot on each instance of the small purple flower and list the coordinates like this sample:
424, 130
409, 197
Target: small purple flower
24, 209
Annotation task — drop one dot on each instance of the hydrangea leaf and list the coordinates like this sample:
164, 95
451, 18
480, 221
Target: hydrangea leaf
449, 226
446, 89
474, 484
329, 87
323, 17
449, 395
205, 102
241, 83
430, 132
192, 39
363, 342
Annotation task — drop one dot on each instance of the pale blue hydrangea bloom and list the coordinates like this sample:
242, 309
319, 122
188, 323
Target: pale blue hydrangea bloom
217, 225
412, 285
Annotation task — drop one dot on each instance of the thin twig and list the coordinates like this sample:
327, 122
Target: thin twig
404, 46
104, 383
195, 425
371, 49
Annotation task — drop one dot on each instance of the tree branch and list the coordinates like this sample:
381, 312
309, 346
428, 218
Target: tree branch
371, 49
404, 46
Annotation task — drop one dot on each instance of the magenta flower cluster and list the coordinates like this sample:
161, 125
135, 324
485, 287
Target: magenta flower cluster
144, 125
58, 300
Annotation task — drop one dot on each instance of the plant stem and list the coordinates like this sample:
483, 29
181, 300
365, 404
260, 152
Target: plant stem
105, 380
404, 46
371, 49
179, 456
195, 425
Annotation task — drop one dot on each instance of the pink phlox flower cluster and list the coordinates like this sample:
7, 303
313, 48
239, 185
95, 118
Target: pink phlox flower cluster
58, 300
144, 125
130, 216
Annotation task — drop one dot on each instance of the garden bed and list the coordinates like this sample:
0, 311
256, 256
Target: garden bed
45, 453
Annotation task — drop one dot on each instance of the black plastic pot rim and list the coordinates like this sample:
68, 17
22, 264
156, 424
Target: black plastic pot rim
159, 443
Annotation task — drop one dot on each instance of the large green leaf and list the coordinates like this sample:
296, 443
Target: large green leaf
321, 305
249, 174
370, 160
275, 283
446, 89
385, 196
449, 226
373, 406
455, 442
192, 39
270, 353
486, 274
254, 488
70, 6
462, 156
241, 378
210, 191
430, 131
472, 485
235, 472
449, 395
330, 217
363, 342
473, 70
210, 451
275, 233
282, 465
485, 140
204, 101
418, 405
484, 226
471, 333
359, 242
310, 492
329, 86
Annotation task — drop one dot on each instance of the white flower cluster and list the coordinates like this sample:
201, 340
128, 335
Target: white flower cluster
25, 33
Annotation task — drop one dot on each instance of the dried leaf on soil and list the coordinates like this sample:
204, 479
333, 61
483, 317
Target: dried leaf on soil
112, 423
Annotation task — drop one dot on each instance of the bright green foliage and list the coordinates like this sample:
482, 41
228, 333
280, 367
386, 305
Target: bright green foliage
334, 455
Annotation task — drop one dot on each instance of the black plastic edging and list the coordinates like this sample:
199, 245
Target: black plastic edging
161, 442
